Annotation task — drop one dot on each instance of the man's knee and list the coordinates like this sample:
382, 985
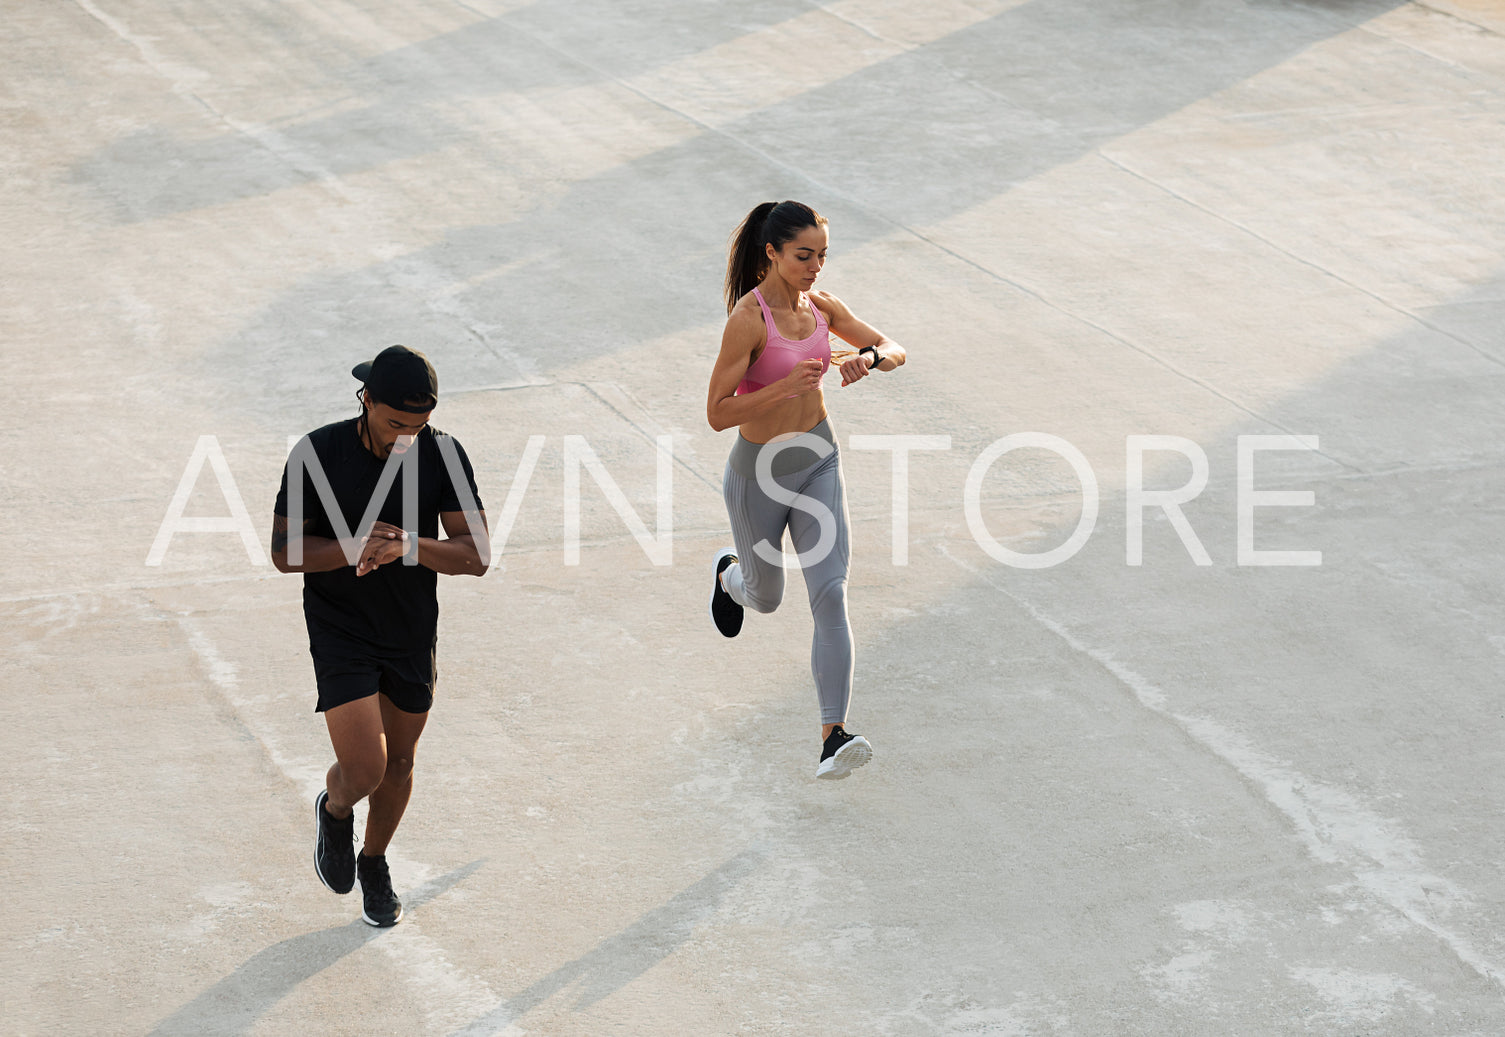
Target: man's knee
399, 770
363, 776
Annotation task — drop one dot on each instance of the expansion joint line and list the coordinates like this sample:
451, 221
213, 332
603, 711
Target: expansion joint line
1241, 228
633, 424
180, 77
881, 217
1455, 16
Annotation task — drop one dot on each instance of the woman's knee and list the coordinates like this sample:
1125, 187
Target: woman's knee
761, 592
829, 602
764, 603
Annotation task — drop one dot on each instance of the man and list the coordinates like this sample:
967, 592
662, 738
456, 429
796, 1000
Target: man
359, 514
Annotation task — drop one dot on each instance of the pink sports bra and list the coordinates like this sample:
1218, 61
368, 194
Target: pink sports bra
780, 355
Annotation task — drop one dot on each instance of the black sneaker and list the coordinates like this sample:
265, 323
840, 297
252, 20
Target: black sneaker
842, 754
382, 908
334, 847
726, 612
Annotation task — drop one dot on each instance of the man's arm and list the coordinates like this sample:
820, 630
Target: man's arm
467, 549
320, 554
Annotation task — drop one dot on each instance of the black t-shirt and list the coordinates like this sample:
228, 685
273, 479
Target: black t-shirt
392, 609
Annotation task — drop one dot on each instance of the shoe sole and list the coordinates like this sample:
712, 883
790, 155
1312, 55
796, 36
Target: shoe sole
725, 552
319, 802
847, 759
381, 925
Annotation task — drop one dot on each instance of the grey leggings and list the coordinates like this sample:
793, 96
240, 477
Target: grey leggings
760, 511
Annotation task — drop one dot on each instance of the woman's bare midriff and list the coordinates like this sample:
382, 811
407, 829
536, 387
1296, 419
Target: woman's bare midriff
800, 414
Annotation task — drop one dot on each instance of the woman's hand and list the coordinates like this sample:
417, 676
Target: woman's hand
855, 369
804, 378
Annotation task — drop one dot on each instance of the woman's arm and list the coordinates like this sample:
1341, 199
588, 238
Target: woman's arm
724, 409
850, 328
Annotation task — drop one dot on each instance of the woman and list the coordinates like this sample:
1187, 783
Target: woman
784, 471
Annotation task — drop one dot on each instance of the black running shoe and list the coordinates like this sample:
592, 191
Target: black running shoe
842, 754
726, 612
334, 848
382, 908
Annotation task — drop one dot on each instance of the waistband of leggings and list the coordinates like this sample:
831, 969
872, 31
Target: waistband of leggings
789, 456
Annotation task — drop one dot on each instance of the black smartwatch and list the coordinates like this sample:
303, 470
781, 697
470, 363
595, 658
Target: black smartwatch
877, 356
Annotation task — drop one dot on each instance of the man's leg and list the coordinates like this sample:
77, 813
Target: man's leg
390, 798
360, 750
360, 758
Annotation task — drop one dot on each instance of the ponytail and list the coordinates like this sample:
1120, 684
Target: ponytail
770, 223
745, 263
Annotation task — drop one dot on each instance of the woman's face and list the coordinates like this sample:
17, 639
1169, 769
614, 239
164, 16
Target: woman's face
800, 260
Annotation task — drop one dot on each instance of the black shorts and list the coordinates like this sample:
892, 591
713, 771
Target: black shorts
346, 672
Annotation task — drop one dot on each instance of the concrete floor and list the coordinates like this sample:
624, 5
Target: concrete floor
1106, 799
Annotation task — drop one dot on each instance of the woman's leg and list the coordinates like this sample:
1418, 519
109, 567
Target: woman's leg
753, 581
825, 570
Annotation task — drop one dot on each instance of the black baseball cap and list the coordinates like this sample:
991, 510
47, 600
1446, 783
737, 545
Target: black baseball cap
397, 375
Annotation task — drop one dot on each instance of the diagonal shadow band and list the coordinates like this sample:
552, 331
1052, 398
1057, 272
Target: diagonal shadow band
1034, 86
233, 1004
622, 958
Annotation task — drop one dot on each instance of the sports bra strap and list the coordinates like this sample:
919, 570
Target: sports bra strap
772, 328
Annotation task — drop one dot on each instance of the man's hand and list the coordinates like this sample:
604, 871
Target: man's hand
385, 543
384, 531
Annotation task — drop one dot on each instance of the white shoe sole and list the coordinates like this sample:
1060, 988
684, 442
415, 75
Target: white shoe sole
381, 925
846, 759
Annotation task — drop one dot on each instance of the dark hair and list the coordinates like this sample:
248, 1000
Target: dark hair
363, 394
771, 223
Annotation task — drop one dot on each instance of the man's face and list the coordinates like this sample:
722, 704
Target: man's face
392, 430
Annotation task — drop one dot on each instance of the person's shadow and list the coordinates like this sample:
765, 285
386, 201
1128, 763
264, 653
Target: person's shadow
626, 955
235, 1003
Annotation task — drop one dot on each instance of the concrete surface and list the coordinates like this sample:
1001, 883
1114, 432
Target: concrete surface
1106, 799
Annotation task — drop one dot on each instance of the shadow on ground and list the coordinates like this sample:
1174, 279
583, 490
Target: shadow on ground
235, 1003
